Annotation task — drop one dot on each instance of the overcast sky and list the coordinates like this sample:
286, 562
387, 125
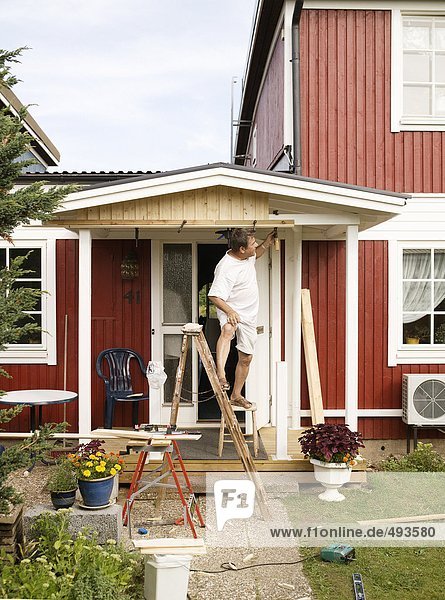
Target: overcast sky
130, 85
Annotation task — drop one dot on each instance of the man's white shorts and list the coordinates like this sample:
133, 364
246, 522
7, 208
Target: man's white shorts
246, 336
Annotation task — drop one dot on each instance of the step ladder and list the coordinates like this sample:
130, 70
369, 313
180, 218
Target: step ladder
190, 504
194, 331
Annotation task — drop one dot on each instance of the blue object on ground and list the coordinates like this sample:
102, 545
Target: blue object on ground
142, 530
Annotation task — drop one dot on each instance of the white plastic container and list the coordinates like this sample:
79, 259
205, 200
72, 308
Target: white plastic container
167, 577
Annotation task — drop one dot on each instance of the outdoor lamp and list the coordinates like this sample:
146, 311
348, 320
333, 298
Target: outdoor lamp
130, 266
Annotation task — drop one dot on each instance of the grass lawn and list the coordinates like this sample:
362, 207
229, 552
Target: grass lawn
388, 574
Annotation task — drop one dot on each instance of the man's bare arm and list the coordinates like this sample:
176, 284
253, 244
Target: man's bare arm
232, 316
261, 248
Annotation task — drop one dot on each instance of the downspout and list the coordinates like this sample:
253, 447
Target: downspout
296, 100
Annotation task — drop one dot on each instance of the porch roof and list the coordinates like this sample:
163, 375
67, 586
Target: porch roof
222, 194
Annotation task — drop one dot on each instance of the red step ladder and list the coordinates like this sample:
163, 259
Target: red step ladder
167, 468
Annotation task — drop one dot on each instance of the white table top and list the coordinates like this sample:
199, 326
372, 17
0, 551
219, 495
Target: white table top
36, 397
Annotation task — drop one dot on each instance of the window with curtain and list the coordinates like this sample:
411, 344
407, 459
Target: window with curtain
423, 295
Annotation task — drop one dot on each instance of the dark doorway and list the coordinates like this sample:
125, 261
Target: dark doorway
208, 257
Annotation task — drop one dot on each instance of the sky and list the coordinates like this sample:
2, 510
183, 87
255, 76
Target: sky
130, 85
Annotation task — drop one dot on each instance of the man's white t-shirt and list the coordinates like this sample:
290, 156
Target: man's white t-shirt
235, 283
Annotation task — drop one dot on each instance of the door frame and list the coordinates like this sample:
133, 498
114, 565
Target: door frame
188, 415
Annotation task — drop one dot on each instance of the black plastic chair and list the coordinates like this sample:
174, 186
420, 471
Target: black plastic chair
118, 386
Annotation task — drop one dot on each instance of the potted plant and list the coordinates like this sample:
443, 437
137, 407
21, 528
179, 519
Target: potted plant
416, 332
62, 484
95, 470
333, 450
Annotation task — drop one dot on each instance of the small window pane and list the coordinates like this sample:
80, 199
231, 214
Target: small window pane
33, 262
439, 329
418, 331
439, 295
32, 337
440, 68
439, 264
416, 34
35, 285
177, 292
2, 258
417, 66
440, 100
416, 264
416, 296
172, 352
439, 42
416, 100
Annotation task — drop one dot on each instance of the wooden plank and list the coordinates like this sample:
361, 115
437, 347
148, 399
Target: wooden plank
170, 543
311, 359
165, 220
178, 381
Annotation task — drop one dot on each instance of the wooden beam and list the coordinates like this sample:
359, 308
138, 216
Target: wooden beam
311, 359
166, 223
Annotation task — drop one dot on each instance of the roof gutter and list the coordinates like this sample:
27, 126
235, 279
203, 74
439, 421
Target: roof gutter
296, 98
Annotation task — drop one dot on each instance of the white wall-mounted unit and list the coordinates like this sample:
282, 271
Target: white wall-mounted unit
423, 399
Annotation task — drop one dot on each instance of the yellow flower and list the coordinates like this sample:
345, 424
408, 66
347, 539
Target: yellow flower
89, 463
117, 467
86, 473
91, 456
100, 469
113, 471
99, 453
102, 463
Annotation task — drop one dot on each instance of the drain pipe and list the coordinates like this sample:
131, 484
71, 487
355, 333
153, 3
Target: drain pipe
296, 101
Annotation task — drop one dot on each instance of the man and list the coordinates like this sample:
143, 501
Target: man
234, 292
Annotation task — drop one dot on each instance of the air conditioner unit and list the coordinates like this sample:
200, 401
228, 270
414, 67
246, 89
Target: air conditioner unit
423, 399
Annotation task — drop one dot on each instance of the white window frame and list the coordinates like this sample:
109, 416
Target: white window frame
46, 352
398, 122
399, 353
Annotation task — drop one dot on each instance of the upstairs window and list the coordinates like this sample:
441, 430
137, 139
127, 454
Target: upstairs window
418, 72
423, 67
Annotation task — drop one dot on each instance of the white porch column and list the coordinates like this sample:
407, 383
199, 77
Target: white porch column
84, 331
296, 329
351, 350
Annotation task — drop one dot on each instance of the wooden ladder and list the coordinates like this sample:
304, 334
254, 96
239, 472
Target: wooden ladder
194, 331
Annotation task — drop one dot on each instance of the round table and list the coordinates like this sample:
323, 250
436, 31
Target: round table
39, 398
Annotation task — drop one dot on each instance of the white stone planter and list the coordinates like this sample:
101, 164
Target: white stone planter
332, 476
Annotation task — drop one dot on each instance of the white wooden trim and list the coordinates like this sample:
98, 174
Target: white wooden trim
85, 331
288, 115
296, 330
50, 304
339, 218
351, 350
281, 411
362, 412
275, 326
405, 5
156, 335
392, 303
33, 232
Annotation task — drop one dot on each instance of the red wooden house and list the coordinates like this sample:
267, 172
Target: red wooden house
344, 154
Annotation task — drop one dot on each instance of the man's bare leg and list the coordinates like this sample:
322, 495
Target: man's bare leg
223, 349
241, 372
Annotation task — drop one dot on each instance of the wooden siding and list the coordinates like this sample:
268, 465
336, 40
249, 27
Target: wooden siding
269, 114
121, 317
346, 97
51, 376
207, 204
380, 386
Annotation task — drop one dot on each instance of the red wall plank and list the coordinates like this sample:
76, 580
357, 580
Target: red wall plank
346, 96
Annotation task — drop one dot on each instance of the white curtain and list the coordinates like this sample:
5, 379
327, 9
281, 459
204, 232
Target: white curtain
417, 294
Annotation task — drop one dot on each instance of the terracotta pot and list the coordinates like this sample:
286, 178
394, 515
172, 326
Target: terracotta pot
332, 476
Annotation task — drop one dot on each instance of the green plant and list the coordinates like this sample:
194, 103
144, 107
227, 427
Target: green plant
418, 329
90, 461
71, 568
422, 459
63, 477
439, 334
331, 443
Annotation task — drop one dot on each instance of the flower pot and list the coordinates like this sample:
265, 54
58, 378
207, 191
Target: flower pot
413, 340
96, 492
63, 499
332, 476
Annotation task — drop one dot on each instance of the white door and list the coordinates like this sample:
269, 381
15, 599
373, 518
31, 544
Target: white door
174, 284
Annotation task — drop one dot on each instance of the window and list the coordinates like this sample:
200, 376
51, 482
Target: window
418, 72
35, 347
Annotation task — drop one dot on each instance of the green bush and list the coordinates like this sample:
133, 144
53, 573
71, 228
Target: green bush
422, 459
65, 568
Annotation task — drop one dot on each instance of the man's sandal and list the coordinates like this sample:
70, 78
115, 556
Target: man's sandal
241, 402
225, 385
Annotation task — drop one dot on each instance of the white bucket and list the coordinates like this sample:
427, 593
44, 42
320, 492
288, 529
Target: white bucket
167, 576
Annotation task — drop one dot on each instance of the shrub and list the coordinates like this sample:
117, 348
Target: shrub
68, 568
422, 459
62, 478
331, 443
